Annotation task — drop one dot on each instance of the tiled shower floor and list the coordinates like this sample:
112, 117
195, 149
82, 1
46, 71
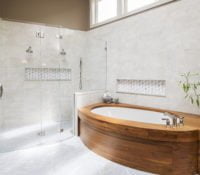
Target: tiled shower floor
29, 136
70, 157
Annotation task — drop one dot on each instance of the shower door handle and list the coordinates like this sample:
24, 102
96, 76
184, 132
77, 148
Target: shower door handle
1, 90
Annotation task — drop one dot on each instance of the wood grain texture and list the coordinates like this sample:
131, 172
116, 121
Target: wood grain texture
155, 149
199, 155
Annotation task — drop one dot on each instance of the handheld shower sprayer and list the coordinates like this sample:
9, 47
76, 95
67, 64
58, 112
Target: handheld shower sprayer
80, 66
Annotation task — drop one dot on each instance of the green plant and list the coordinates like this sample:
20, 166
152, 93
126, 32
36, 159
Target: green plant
191, 86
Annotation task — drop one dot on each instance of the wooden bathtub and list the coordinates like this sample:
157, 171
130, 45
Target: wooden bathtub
147, 146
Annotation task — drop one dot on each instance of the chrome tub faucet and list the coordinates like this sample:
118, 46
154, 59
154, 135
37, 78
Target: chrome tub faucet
176, 121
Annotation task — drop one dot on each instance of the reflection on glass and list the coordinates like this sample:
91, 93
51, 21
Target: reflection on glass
106, 9
136, 4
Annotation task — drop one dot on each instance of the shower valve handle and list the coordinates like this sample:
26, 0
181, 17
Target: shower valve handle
167, 122
181, 121
1, 90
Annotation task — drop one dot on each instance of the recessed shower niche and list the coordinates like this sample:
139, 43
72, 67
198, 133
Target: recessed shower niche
48, 74
142, 87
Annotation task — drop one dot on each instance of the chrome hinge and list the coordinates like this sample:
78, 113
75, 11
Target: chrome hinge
39, 34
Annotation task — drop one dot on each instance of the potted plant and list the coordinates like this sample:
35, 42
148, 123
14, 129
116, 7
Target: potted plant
191, 87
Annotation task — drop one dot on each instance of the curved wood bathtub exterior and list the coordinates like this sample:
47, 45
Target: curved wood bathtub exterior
147, 147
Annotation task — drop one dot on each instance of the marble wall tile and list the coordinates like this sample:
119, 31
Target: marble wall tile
159, 44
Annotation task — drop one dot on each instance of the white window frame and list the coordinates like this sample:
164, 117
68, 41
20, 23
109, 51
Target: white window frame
122, 11
94, 13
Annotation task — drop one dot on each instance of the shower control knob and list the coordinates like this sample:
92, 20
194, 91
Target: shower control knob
1, 90
167, 122
181, 121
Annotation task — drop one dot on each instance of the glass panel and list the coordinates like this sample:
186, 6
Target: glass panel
2, 76
136, 4
94, 65
57, 95
2, 80
106, 9
20, 104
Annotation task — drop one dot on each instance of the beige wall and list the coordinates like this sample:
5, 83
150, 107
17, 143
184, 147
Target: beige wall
1, 8
72, 14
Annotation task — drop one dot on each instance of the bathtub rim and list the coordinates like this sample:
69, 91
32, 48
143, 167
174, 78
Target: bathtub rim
192, 121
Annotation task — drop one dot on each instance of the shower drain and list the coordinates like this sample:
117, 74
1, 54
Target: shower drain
42, 133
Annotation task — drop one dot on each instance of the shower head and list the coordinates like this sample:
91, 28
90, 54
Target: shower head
29, 50
59, 36
63, 52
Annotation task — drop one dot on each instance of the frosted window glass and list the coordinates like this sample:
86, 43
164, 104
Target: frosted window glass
136, 4
106, 9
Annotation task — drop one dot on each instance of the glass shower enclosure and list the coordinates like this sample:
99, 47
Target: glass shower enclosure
39, 74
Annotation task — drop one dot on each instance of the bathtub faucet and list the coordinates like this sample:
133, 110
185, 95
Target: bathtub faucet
173, 117
167, 122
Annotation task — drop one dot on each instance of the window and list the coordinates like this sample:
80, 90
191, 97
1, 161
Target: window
104, 11
137, 4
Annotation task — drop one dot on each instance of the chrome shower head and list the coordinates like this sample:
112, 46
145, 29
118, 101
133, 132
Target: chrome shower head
29, 50
63, 52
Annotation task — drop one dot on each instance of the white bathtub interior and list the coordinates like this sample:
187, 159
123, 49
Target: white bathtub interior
132, 114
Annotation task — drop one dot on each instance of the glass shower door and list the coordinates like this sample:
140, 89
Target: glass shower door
56, 101
1, 97
20, 101
95, 65
39, 74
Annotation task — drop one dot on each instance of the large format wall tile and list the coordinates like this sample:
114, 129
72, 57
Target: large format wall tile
159, 44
